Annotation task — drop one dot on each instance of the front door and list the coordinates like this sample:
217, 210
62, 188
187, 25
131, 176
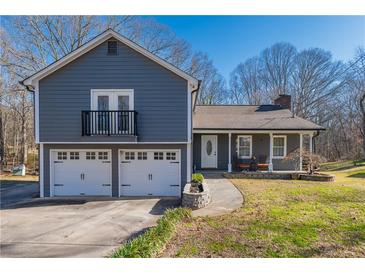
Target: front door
209, 151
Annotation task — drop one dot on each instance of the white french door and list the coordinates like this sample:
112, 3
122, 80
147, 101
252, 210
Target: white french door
107, 102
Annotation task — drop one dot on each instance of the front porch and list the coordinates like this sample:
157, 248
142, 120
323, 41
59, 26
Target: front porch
232, 151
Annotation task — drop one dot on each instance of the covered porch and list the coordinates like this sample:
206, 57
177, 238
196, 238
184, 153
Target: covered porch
275, 151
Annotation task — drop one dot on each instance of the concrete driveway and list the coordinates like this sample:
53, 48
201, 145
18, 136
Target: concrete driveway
75, 227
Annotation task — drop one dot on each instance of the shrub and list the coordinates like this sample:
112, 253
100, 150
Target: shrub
150, 243
197, 177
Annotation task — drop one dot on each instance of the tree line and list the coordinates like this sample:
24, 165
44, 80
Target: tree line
330, 93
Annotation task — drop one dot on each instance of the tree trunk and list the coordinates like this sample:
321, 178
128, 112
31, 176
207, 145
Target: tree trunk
23, 146
2, 141
362, 108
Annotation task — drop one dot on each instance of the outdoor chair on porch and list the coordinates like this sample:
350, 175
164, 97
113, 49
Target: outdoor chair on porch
261, 164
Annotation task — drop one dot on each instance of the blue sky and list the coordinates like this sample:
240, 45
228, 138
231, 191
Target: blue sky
230, 40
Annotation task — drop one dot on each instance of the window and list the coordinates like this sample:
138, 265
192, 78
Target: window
90, 155
62, 155
279, 147
244, 147
129, 155
74, 155
158, 155
170, 155
142, 155
103, 155
112, 47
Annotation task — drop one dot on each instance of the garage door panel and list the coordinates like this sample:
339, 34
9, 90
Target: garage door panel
154, 173
82, 173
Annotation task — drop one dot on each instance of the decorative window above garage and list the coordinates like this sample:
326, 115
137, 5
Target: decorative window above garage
112, 47
170, 155
62, 155
142, 155
129, 155
90, 155
158, 155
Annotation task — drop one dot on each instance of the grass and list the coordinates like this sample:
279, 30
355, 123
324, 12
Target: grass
282, 218
8, 178
152, 242
341, 165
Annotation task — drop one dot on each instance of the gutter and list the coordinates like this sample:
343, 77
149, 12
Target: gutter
197, 93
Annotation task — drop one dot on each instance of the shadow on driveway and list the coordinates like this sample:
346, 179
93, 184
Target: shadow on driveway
13, 192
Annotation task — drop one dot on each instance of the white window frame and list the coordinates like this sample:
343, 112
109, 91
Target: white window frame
285, 145
114, 93
238, 146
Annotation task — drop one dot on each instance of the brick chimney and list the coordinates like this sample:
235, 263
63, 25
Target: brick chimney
284, 101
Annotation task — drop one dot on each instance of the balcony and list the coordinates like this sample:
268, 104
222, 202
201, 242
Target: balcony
109, 123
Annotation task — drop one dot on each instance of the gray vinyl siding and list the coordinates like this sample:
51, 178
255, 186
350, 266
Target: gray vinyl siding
160, 96
260, 148
115, 164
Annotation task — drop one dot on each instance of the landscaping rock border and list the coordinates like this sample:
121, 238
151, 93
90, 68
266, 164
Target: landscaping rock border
317, 177
196, 200
320, 177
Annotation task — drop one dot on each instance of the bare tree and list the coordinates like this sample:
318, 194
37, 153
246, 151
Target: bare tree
246, 83
315, 79
213, 89
277, 66
356, 81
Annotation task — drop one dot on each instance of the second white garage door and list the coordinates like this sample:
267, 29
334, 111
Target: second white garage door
153, 173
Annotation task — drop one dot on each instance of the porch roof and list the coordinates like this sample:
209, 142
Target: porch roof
249, 117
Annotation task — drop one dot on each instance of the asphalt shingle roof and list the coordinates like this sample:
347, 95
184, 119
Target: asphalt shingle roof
252, 117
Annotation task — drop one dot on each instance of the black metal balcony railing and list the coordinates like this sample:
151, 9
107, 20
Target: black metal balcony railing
108, 123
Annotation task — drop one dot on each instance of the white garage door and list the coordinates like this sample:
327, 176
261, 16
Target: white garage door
81, 172
155, 173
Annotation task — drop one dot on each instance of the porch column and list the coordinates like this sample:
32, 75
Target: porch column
270, 153
300, 151
310, 143
229, 153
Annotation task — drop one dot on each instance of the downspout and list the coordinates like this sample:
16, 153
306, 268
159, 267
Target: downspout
193, 109
313, 140
197, 93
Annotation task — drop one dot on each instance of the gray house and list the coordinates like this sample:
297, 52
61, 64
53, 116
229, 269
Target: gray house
112, 119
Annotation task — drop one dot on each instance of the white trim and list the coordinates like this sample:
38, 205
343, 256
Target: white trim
108, 92
51, 173
229, 153
189, 117
310, 143
41, 171
188, 160
120, 143
300, 151
99, 40
238, 147
285, 146
141, 149
36, 112
271, 166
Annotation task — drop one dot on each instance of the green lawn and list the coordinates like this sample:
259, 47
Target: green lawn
283, 219
342, 165
8, 178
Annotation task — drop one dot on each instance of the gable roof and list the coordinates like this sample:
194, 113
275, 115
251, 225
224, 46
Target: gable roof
29, 81
248, 117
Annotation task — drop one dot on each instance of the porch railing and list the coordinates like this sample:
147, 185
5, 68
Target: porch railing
108, 123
